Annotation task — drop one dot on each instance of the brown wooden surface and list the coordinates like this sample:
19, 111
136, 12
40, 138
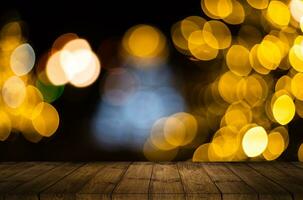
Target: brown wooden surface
147, 180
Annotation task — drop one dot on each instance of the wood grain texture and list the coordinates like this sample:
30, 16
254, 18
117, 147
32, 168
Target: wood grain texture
104, 182
166, 182
136, 181
290, 184
196, 183
147, 180
230, 185
33, 187
67, 187
266, 188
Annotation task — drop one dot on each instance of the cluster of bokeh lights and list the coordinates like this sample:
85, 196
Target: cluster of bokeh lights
257, 89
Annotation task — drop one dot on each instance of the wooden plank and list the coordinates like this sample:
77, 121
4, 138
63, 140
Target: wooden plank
14, 168
230, 185
32, 188
25, 175
166, 182
67, 187
196, 183
290, 169
266, 188
285, 181
102, 185
135, 182
298, 164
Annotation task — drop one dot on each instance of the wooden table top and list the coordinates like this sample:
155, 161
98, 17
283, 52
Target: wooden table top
147, 180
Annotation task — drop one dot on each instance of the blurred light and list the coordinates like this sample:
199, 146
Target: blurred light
174, 131
255, 141
269, 55
216, 34
237, 16
74, 63
275, 146
199, 48
190, 124
119, 86
258, 4
22, 59
284, 133
54, 70
45, 119
152, 153
32, 99
255, 62
201, 153
230, 94
134, 99
13, 92
296, 9
278, 13
283, 109
50, 92
237, 59
217, 8
61, 41
144, 41
5, 126
157, 137
225, 144
284, 83
296, 57
300, 153
297, 86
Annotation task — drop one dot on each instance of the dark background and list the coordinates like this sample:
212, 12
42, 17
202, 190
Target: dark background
97, 21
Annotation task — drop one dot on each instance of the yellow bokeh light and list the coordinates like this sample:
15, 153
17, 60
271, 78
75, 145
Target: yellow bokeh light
296, 9
22, 59
284, 133
218, 8
284, 83
237, 16
301, 23
152, 153
157, 137
199, 48
13, 92
269, 54
237, 59
283, 109
201, 153
191, 126
5, 126
300, 153
225, 143
230, 94
174, 131
297, 86
45, 119
144, 41
275, 146
258, 4
255, 141
217, 34
278, 13
255, 63
191, 24
54, 70
295, 57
